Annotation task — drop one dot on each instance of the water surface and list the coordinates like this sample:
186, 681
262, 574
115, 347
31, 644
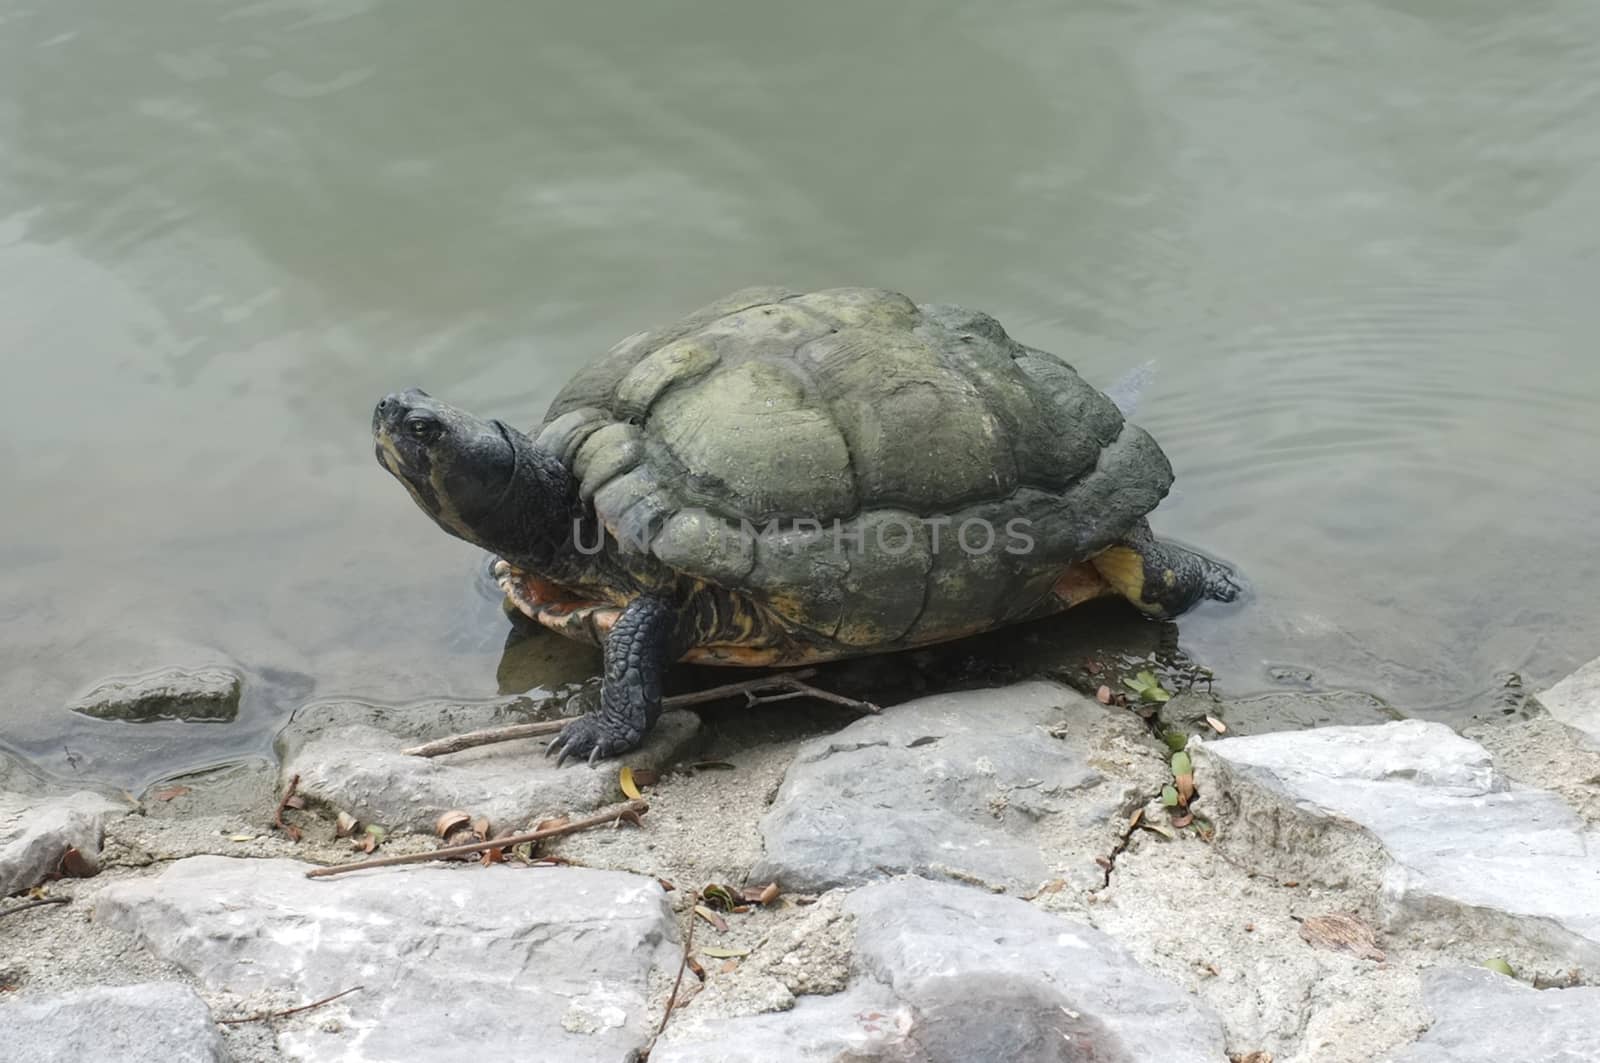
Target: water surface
1358, 241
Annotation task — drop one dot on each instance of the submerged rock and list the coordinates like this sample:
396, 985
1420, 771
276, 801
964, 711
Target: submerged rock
1483, 1017
35, 833
1575, 701
197, 694
456, 963
975, 787
1276, 711
945, 972
1414, 816
158, 1022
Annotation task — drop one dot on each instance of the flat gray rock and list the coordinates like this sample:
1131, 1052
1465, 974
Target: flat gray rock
1575, 701
358, 768
157, 1022
457, 963
970, 787
1415, 815
948, 973
1483, 1017
200, 694
35, 832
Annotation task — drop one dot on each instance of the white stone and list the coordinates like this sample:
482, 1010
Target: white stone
1575, 701
1483, 1017
1414, 814
157, 1022
36, 832
946, 972
456, 963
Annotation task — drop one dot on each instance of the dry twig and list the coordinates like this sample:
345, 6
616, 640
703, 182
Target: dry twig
683, 964
277, 817
630, 811
37, 902
792, 685
265, 1015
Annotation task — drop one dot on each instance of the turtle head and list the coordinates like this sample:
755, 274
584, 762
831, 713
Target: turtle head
482, 481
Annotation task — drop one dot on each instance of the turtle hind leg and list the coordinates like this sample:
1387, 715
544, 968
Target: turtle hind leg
1163, 579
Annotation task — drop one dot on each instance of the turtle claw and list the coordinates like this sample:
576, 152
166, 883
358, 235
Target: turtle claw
583, 739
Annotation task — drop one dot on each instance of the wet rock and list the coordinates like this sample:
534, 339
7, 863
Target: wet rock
158, 1022
1575, 701
465, 963
419, 721
35, 833
946, 972
1416, 818
197, 694
1277, 711
1483, 1017
360, 769
974, 787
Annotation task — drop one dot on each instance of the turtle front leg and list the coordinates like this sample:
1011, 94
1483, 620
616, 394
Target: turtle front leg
638, 650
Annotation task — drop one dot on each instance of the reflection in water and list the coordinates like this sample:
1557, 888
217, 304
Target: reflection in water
1355, 242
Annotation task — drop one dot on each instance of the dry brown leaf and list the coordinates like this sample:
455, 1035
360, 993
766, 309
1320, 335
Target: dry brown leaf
666, 886
1133, 820
729, 966
450, 822
480, 826
1342, 932
1055, 885
294, 801
629, 787
1217, 725
345, 825
1183, 820
1251, 1057
643, 777
493, 855
1185, 786
167, 793
694, 965
74, 864
769, 894
711, 917
1103, 695
553, 821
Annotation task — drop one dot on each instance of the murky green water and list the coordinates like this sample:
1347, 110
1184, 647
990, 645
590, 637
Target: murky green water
1358, 240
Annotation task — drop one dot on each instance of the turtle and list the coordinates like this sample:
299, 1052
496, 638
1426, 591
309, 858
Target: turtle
782, 478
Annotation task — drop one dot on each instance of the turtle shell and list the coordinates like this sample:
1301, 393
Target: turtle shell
873, 471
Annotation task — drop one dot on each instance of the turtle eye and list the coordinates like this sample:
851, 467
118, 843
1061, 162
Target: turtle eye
422, 427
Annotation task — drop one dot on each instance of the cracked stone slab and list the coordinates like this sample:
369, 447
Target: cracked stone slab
1416, 815
1483, 1017
946, 972
1575, 701
208, 694
975, 787
36, 832
539, 966
359, 767
157, 1022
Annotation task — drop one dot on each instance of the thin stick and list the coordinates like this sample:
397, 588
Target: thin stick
277, 817
688, 946
790, 682
632, 810
37, 902
265, 1015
